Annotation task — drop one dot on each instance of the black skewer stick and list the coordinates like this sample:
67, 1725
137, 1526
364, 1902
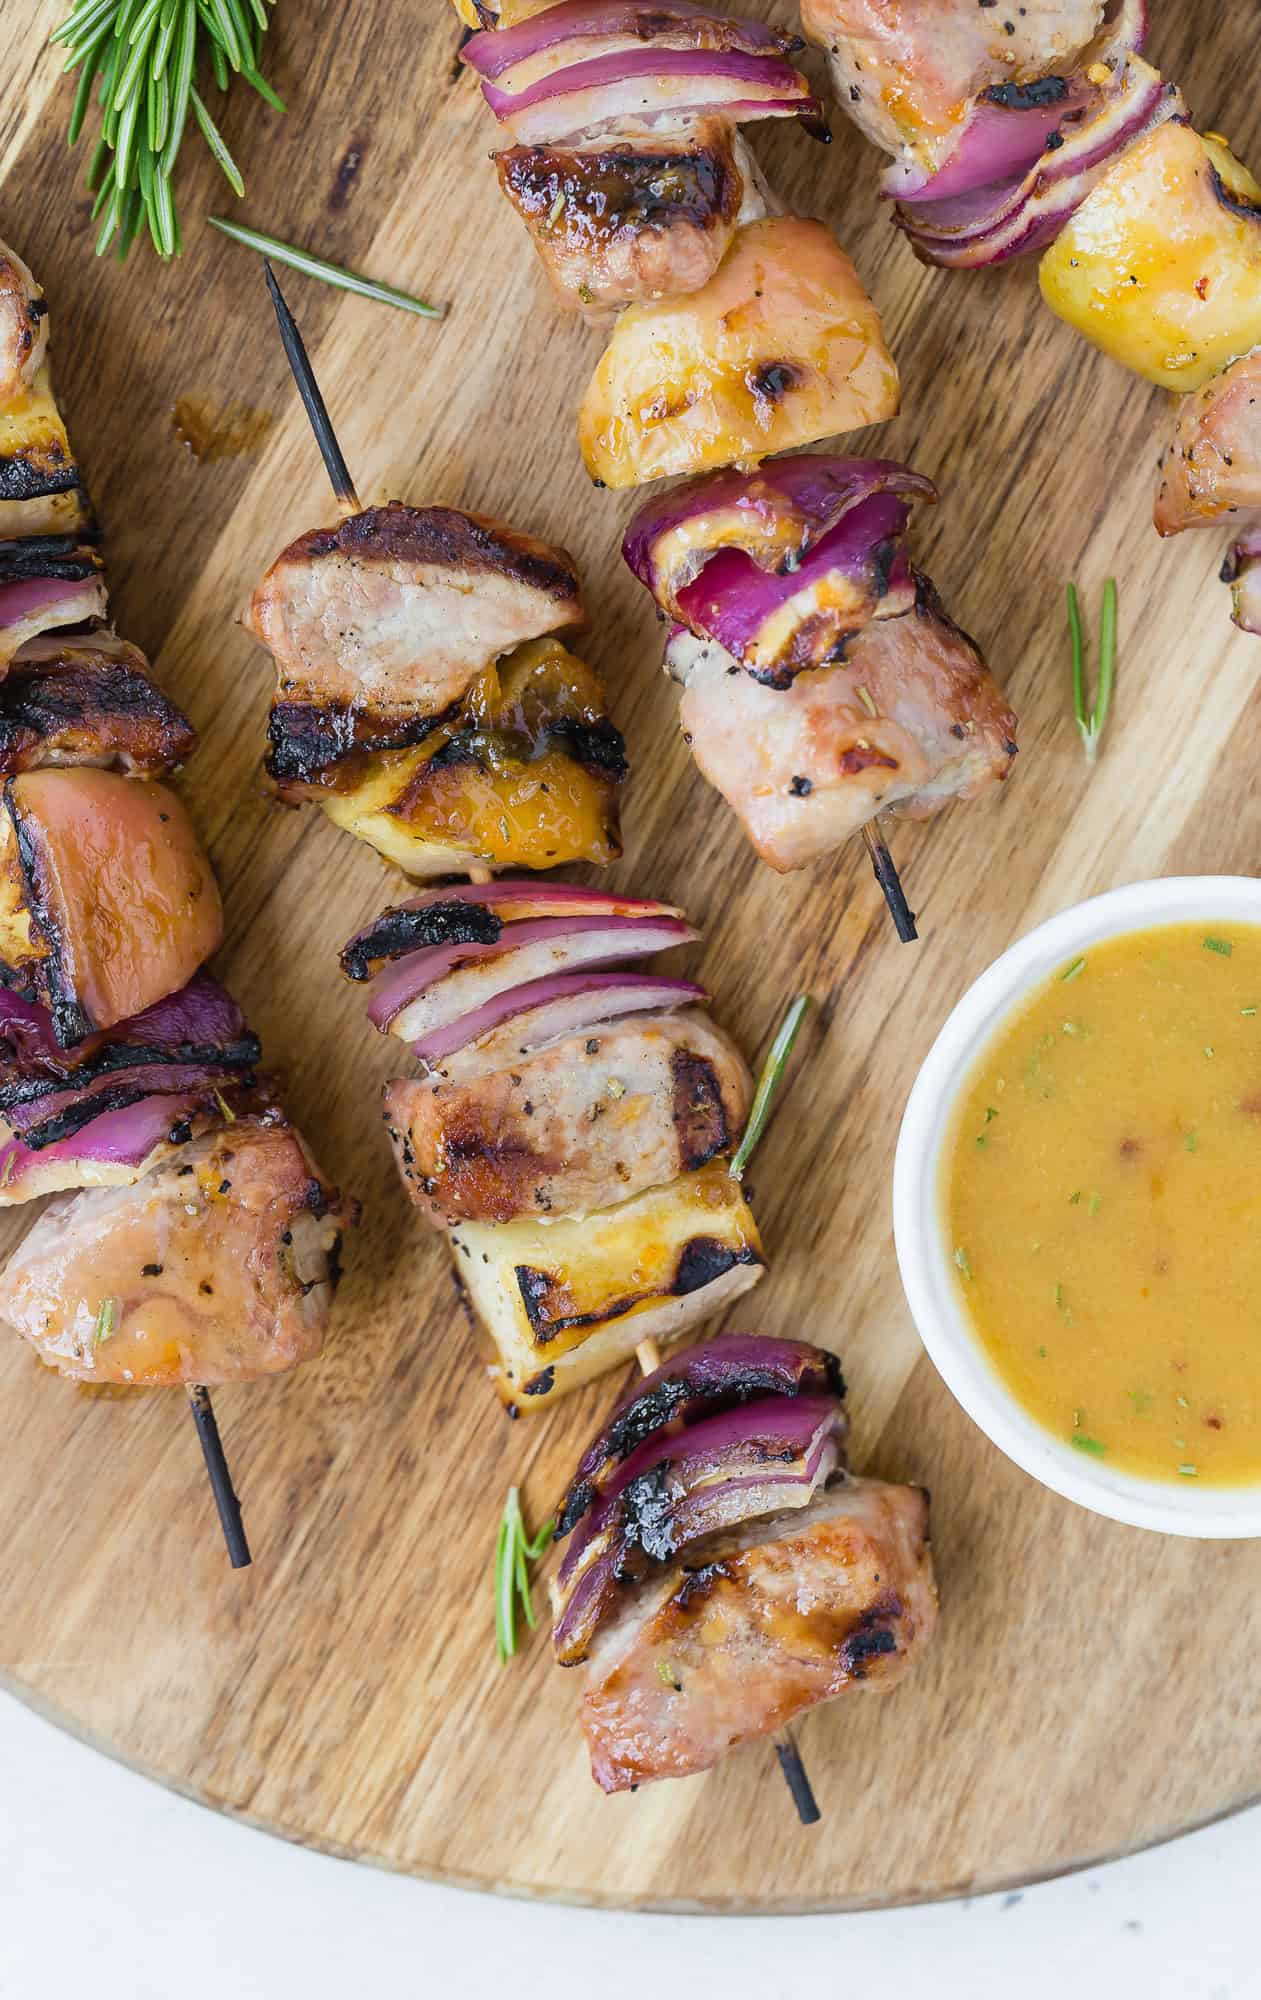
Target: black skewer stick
887, 876
796, 1780
312, 401
220, 1478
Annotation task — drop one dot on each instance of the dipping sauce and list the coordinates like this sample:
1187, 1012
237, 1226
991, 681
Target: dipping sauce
1103, 1200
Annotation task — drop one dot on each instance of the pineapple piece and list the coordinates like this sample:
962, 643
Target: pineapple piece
1161, 264
565, 1300
40, 492
527, 776
780, 348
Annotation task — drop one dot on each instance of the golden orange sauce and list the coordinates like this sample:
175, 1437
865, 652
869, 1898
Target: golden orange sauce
1103, 1200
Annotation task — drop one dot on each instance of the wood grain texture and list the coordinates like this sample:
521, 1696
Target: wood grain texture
1093, 1687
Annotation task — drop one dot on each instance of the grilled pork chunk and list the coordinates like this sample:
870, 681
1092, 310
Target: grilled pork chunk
781, 347
107, 901
906, 71
69, 700
380, 625
583, 1123
1211, 471
565, 1298
218, 1267
621, 217
784, 1614
23, 327
908, 721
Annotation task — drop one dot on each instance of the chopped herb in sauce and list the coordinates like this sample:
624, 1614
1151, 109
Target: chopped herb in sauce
1219, 944
1092, 1445
961, 1259
1078, 965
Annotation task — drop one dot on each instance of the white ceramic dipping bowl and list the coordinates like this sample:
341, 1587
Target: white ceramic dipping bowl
925, 1254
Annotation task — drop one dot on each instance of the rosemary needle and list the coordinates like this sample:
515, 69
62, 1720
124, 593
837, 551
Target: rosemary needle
1090, 722
514, 1552
318, 267
768, 1083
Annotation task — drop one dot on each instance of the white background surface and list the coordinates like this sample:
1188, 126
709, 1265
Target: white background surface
113, 1889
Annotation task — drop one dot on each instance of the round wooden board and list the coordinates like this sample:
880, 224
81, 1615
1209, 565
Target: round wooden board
1091, 1689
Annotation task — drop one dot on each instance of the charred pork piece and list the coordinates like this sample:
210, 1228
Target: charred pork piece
110, 1109
822, 682
587, 1121
616, 220
722, 1571
783, 1614
1211, 469
781, 347
107, 901
380, 626
575, 1125
219, 1266
88, 700
423, 701
912, 76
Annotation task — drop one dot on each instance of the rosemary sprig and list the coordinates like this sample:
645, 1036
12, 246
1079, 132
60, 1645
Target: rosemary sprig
147, 54
768, 1083
319, 267
514, 1553
1091, 722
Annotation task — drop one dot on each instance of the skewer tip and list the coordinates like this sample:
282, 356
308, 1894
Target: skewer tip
221, 1486
796, 1780
312, 400
890, 884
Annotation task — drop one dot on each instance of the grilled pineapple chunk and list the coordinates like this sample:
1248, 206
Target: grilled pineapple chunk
39, 480
1161, 264
526, 776
780, 348
566, 1300
498, 13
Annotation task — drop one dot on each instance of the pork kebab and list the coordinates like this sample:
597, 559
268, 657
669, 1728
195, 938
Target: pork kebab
574, 1124
821, 680
193, 1240
1048, 131
742, 330
427, 698
724, 1571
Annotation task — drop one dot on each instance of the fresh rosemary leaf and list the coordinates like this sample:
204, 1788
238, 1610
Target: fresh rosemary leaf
514, 1552
1091, 721
317, 267
768, 1083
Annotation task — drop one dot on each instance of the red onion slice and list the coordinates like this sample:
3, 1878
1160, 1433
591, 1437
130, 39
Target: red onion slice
775, 515
433, 988
43, 604
122, 1139
435, 917
496, 51
1012, 218
672, 1493
778, 625
723, 1373
643, 85
561, 1004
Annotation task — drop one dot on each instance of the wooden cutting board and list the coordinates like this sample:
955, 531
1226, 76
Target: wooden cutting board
1093, 1687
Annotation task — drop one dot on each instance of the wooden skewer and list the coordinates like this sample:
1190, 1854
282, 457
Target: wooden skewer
220, 1477
887, 876
312, 401
648, 1355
